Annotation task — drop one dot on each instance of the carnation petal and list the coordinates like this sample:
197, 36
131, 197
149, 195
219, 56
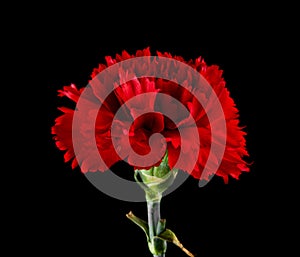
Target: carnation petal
147, 118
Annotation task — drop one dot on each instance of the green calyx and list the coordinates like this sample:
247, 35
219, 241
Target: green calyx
158, 171
156, 180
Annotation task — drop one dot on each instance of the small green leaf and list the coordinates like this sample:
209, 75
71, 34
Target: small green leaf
159, 246
141, 223
161, 226
170, 236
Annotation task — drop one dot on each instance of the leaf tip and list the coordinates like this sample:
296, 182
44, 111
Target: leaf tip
129, 214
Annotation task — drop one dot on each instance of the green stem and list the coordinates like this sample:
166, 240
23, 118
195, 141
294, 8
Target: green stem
153, 217
157, 246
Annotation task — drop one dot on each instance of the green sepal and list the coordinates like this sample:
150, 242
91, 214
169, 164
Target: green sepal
163, 169
141, 223
170, 236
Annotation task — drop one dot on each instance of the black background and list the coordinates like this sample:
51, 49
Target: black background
69, 215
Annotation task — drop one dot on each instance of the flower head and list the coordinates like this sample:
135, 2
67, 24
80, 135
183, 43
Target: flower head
140, 119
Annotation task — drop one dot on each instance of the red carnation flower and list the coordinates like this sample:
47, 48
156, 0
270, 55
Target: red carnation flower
112, 137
